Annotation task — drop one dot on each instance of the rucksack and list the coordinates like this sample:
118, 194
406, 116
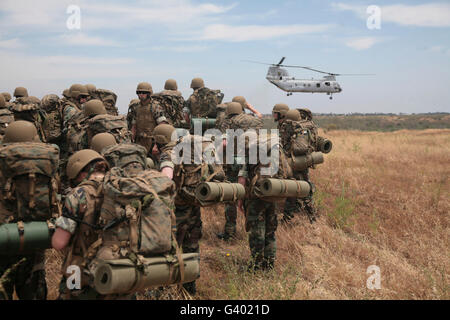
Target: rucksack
137, 213
30, 183
6, 117
108, 98
115, 125
52, 106
245, 122
203, 102
188, 176
124, 154
173, 106
302, 137
76, 134
23, 110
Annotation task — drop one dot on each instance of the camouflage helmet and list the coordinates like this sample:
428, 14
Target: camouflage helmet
241, 100
234, 108
79, 160
102, 140
305, 113
7, 96
94, 107
77, 90
91, 88
20, 92
21, 131
171, 84
281, 108
2, 101
144, 87
293, 115
163, 133
197, 83
66, 93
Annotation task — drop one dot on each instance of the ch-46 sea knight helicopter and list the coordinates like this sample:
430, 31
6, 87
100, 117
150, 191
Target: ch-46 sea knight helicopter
280, 78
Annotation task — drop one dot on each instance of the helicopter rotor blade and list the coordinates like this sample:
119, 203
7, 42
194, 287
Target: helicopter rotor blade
281, 61
268, 64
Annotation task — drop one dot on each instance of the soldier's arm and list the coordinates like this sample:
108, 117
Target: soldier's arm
242, 179
166, 164
158, 113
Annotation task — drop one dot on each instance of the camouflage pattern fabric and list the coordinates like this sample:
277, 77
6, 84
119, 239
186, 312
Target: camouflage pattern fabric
203, 102
76, 133
69, 109
32, 112
80, 218
131, 114
137, 214
109, 100
129, 156
52, 107
262, 224
232, 171
24, 274
146, 118
189, 228
29, 176
115, 125
172, 103
6, 117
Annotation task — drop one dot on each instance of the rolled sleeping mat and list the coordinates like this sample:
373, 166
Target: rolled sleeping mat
25, 237
219, 191
122, 276
324, 145
206, 123
285, 188
302, 163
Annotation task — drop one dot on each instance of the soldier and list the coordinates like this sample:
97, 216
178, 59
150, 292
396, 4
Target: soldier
78, 96
25, 272
20, 92
77, 227
203, 101
186, 177
29, 109
246, 105
2, 102
300, 134
145, 116
279, 113
172, 103
235, 119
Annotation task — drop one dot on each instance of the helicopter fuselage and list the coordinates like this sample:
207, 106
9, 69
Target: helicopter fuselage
280, 78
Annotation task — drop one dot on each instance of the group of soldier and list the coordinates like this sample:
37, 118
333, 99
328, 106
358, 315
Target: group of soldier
94, 144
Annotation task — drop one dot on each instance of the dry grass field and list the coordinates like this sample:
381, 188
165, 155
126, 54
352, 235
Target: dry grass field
383, 199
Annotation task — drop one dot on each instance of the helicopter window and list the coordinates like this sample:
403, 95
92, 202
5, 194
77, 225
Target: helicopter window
318, 85
327, 84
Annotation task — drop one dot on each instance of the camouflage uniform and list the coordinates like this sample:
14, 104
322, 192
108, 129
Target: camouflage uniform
144, 118
244, 122
80, 213
202, 103
172, 103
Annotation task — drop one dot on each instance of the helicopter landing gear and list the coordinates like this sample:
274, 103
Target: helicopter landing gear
289, 94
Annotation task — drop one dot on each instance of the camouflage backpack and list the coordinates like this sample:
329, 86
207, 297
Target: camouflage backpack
29, 180
203, 102
116, 125
129, 156
51, 105
278, 167
137, 214
6, 117
76, 133
187, 175
300, 137
108, 98
245, 122
24, 110
173, 105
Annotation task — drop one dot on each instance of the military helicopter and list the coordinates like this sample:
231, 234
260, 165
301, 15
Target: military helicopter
281, 79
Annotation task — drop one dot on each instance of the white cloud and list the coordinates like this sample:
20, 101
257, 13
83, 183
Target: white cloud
422, 15
255, 32
82, 39
180, 48
11, 44
362, 43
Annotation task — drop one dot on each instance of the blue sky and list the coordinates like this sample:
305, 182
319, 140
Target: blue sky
121, 43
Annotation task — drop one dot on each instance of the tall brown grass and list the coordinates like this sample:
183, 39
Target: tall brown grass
383, 199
